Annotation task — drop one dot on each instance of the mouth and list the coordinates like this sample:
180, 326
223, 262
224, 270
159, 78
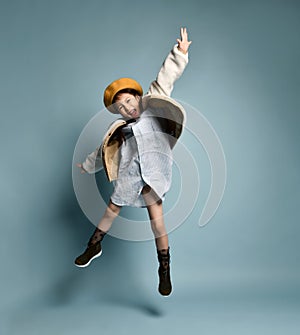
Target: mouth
133, 113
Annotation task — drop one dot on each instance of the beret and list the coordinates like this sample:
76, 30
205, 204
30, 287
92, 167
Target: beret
116, 86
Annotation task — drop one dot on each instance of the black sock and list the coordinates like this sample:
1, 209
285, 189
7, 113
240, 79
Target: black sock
96, 237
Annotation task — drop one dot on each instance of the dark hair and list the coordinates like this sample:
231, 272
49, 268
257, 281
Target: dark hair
125, 90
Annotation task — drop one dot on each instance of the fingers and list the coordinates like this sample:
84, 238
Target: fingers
183, 34
81, 167
183, 43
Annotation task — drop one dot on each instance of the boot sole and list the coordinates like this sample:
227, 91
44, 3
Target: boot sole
165, 293
89, 262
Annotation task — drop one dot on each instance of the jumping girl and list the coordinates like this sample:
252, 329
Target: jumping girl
142, 175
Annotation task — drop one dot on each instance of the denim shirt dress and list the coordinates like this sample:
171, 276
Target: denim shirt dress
145, 159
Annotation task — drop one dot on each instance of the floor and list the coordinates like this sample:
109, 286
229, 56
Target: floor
195, 312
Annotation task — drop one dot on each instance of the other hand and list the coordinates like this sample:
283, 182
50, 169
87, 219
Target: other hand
82, 170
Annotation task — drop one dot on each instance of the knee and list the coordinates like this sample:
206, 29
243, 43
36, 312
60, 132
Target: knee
112, 210
150, 197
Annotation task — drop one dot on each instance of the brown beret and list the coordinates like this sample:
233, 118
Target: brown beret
116, 86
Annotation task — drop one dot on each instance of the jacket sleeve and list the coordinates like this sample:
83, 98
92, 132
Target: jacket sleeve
93, 162
170, 71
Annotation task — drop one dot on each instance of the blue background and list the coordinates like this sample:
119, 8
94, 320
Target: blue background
239, 274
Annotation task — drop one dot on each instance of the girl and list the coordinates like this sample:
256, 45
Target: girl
142, 176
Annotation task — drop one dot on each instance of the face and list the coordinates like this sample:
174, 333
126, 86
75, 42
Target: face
128, 105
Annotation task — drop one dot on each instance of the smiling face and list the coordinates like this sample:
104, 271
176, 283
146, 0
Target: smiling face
128, 105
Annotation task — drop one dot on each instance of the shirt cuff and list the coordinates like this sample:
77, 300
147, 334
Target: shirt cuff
180, 53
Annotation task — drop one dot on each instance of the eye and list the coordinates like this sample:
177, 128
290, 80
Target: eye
128, 100
120, 107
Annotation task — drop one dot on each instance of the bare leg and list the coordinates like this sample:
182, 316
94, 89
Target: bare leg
111, 212
155, 211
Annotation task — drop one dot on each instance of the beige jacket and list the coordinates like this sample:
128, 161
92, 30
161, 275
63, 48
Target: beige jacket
157, 98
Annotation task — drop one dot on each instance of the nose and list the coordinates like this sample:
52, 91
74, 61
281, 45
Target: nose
126, 106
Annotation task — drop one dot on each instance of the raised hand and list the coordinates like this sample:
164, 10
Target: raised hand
184, 43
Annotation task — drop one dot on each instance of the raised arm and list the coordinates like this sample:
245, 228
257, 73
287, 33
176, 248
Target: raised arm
172, 67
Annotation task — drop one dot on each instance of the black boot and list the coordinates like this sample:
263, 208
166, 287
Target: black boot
165, 286
92, 251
